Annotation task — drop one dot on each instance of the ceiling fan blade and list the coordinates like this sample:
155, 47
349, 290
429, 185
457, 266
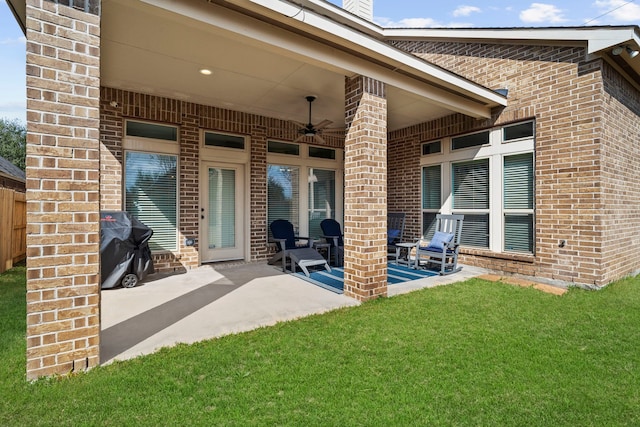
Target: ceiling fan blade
323, 124
320, 139
299, 125
299, 138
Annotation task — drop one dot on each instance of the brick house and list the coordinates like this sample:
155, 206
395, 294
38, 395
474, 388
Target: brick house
188, 114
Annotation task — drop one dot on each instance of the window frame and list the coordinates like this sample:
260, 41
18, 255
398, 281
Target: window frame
304, 162
494, 152
153, 146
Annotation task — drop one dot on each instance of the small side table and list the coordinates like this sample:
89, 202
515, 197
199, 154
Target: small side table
326, 246
403, 250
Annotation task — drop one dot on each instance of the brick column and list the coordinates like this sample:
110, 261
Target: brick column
63, 262
365, 194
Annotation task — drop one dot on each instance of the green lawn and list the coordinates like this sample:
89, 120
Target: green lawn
474, 353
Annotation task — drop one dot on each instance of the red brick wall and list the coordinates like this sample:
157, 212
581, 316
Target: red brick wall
575, 153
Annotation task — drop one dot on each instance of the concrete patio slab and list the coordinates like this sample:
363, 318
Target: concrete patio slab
217, 300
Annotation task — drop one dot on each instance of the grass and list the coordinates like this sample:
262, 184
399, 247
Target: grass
474, 353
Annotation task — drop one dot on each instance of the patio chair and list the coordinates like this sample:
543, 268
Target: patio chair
303, 255
333, 234
395, 231
444, 246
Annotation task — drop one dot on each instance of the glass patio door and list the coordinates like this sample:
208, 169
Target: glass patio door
322, 199
221, 208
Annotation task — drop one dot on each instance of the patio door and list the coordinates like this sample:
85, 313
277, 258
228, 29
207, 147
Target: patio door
221, 212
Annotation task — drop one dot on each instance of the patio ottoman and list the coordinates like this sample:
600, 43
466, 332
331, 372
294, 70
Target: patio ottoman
304, 257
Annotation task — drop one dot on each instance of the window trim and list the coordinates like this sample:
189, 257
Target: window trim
153, 146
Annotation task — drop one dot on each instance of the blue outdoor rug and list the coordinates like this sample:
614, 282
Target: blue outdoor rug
334, 280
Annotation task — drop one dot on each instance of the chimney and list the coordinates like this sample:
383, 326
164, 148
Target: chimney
362, 8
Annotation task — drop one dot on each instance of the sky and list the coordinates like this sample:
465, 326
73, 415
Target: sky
387, 13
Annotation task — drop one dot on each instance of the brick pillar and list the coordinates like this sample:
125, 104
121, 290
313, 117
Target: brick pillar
63, 293
365, 194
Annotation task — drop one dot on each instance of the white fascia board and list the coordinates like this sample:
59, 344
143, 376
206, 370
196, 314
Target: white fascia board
596, 38
379, 51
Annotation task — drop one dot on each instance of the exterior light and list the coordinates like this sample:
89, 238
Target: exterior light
632, 52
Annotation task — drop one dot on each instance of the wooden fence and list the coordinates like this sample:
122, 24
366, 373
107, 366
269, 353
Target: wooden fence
13, 228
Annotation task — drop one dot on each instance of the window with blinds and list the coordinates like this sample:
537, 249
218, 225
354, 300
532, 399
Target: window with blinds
283, 198
431, 187
518, 203
471, 197
151, 195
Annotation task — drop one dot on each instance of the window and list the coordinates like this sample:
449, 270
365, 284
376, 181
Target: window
283, 197
283, 148
322, 198
431, 148
222, 206
431, 198
517, 131
306, 188
518, 203
212, 139
431, 187
491, 185
151, 195
322, 153
472, 140
471, 197
151, 130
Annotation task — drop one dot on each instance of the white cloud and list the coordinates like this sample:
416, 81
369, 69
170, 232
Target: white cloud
618, 10
408, 23
542, 12
465, 10
14, 41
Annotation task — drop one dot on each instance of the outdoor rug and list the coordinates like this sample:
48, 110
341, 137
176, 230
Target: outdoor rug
334, 280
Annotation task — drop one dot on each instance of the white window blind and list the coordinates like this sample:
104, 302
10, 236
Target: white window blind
150, 195
518, 203
431, 187
283, 198
471, 195
222, 212
471, 185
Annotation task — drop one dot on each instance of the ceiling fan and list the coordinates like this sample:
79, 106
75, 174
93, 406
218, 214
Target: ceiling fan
310, 129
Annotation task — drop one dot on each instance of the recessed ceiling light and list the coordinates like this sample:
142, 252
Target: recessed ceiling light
206, 72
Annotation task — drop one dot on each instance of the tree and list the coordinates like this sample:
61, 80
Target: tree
13, 141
